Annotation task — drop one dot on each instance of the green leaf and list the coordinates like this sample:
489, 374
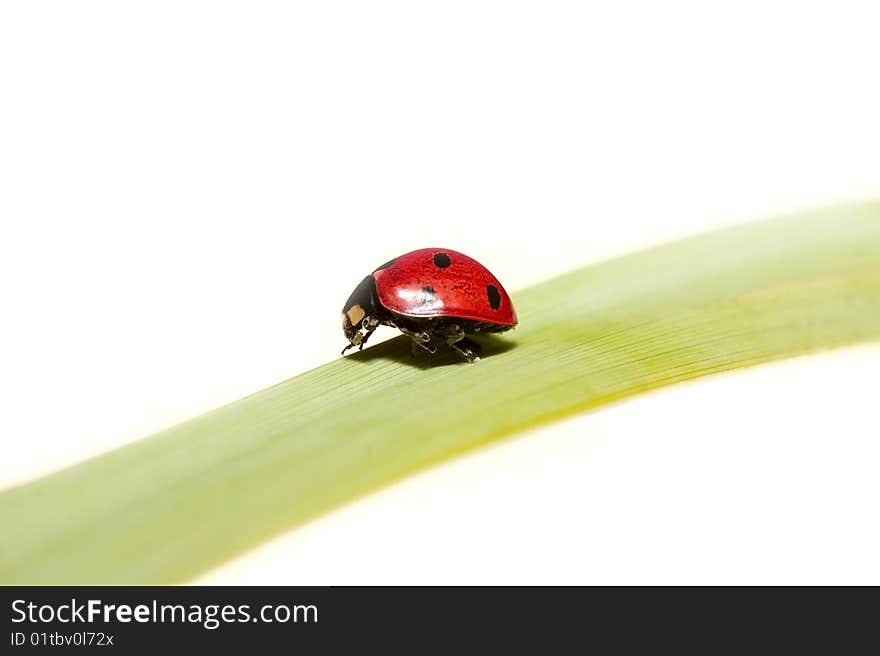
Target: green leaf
172, 505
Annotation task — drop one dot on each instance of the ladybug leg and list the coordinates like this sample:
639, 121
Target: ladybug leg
455, 338
420, 339
364, 340
466, 351
416, 345
367, 328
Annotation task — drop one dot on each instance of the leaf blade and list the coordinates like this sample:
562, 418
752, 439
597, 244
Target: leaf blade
167, 507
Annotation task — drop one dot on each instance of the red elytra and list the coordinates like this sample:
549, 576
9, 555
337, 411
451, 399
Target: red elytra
462, 288
434, 295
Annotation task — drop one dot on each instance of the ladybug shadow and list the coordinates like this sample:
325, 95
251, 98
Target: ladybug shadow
399, 349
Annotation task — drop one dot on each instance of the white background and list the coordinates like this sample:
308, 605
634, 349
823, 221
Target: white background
189, 191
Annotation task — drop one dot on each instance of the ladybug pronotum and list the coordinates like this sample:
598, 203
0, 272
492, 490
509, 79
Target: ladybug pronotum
433, 295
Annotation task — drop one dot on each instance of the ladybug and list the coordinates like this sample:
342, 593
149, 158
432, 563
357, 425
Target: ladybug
433, 295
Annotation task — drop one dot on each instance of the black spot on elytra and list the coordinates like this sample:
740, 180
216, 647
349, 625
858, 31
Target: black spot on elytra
442, 260
494, 296
385, 266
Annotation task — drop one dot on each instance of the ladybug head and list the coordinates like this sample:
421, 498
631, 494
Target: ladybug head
361, 312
